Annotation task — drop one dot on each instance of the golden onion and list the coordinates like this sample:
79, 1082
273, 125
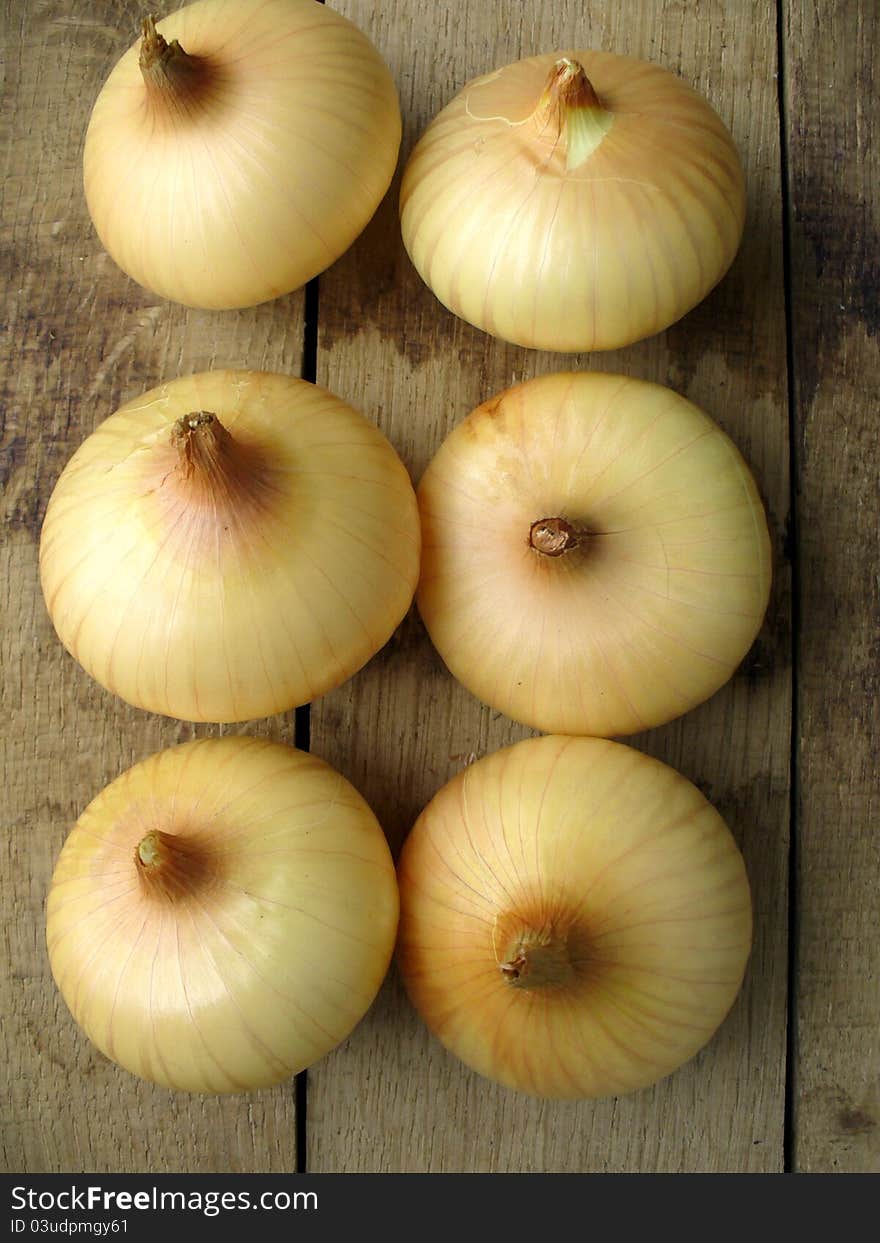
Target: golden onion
222, 915
576, 202
229, 545
239, 149
575, 918
595, 554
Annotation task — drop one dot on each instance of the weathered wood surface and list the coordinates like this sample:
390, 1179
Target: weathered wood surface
81, 338
833, 175
391, 1098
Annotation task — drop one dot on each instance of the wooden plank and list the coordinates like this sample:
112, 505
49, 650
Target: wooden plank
81, 338
391, 1098
834, 221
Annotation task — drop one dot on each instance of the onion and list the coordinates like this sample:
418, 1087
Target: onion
575, 917
222, 914
229, 545
239, 149
596, 558
573, 203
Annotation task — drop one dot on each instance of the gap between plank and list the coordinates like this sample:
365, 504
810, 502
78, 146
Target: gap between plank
302, 719
789, 1153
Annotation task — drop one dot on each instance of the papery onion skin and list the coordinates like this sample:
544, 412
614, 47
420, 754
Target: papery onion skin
250, 969
593, 257
232, 593
263, 176
625, 876
666, 584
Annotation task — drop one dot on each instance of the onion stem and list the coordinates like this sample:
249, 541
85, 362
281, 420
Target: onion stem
554, 536
569, 87
171, 76
156, 53
172, 866
217, 470
538, 959
201, 441
150, 850
570, 102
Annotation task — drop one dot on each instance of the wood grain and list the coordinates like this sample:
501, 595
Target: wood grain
391, 1098
834, 171
80, 339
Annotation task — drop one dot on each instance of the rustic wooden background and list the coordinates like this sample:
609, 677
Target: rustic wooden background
784, 354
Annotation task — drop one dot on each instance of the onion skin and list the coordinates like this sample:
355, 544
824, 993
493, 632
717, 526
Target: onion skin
257, 170
266, 949
254, 582
592, 257
648, 604
622, 875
